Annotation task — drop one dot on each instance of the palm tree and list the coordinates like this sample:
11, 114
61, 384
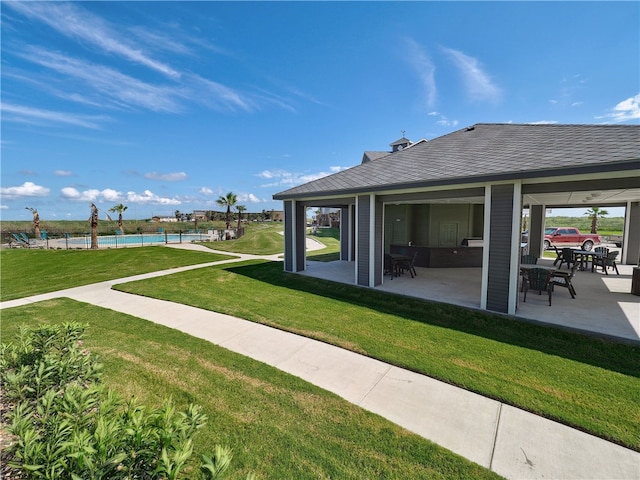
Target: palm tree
93, 220
240, 209
595, 213
36, 221
120, 208
229, 200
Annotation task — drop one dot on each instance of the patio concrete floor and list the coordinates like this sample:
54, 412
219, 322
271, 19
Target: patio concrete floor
603, 304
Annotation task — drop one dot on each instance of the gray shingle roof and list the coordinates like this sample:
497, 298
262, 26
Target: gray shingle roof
487, 152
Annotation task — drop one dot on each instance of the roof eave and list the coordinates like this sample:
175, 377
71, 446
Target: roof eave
564, 171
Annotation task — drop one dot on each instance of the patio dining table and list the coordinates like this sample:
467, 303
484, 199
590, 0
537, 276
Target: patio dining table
583, 256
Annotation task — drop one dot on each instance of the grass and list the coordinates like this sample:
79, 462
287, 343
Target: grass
29, 272
277, 425
260, 239
330, 237
581, 381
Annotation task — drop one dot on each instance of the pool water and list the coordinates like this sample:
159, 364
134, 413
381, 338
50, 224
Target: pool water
138, 239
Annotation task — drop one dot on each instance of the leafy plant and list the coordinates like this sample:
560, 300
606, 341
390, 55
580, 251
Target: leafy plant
69, 426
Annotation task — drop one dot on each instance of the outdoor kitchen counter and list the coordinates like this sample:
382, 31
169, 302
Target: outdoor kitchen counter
438, 257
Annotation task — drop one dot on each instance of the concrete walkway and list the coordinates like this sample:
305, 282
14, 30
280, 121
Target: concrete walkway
509, 441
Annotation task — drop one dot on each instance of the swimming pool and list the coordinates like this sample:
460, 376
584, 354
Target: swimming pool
134, 240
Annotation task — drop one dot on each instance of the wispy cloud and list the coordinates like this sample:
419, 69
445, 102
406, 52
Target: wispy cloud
102, 83
421, 62
27, 189
478, 83
62, 173
111, 87
443, 120
167, 177
74, 22
628, 109
35, 116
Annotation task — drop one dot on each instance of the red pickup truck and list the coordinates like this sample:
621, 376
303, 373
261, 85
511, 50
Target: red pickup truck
569, 236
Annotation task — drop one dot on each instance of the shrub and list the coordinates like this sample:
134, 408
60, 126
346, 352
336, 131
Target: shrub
67, 425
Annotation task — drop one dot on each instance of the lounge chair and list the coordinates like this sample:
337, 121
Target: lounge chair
22, 239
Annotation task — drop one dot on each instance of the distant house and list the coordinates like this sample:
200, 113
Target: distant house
156, 218
458, 199
199, 215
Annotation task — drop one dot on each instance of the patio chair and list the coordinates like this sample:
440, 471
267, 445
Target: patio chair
606, 262
558, 256
601, 250
529, 259
566, 257
563, 279
389, 266
409, 265
538, 279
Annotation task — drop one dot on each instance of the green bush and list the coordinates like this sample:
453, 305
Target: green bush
67, 425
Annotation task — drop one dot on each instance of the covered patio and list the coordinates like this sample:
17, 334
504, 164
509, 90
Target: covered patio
603, 305
457, 202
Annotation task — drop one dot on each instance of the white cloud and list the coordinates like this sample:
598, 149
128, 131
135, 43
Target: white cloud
478, 83
27, 189
36, 116
71, 193
111, 195
150, 198
626, 110
63, 173
544, 122
206, 191
424, 67
91, 195
443, 120
75, 22
167, 177
284, 178
111, 87
249, 197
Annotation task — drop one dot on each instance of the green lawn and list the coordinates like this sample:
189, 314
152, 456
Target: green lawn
584, 382
29, 272
260, 239
581, 381
278, 426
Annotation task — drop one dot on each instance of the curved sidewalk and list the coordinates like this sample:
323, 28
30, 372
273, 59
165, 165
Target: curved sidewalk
511, 442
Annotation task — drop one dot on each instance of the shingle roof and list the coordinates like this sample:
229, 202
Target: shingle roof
487, 152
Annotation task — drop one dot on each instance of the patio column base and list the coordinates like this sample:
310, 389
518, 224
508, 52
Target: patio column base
635, 281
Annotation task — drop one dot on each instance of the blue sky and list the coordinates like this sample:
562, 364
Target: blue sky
165, 106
